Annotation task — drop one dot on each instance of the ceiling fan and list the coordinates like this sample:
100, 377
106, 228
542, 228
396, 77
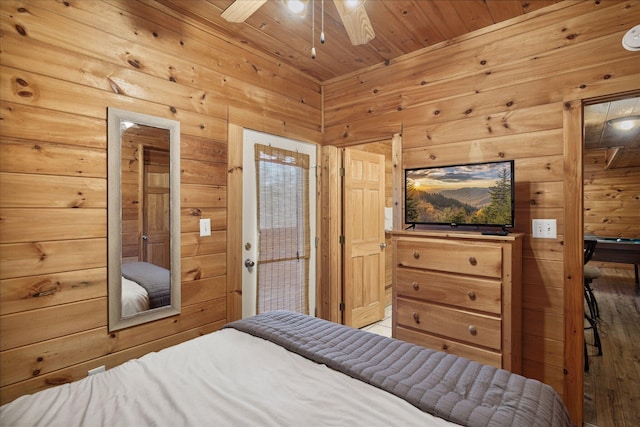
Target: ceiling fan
352, 12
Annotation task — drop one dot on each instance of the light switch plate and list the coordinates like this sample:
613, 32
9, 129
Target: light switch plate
544, 229
388, 219
205, 227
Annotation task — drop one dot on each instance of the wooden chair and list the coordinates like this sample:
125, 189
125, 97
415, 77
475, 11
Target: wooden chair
591, 273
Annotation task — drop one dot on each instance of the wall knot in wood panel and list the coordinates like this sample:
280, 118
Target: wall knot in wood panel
114, 86
45, 288
20, 29
135, 63
79, 202
196, 273
22, 88
59, 380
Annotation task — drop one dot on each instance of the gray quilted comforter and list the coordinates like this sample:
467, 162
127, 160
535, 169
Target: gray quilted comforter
456, 389
155, 279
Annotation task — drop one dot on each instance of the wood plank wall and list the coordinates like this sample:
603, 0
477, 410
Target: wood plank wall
611, 198
62, 65
499, 93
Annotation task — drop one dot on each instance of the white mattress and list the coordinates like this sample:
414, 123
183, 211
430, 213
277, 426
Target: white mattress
135, 298
227, 378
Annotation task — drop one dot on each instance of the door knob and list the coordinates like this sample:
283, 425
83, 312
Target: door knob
383, 245
144, 237
249, 263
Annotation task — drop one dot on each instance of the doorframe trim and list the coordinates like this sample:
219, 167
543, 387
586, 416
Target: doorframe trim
234, 225
573, 260
330, 190
330, 248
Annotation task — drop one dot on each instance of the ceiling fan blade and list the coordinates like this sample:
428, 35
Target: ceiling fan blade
356, 22
240, 10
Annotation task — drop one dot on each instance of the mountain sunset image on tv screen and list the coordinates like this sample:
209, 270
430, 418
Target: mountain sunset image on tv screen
470, 194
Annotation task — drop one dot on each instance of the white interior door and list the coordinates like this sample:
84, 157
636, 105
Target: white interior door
251, 225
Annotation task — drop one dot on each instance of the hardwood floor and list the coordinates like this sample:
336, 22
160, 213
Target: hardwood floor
612, 385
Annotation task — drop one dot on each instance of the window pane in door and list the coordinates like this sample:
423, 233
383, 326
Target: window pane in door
283, 229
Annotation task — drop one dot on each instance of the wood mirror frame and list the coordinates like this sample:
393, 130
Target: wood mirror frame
118, 120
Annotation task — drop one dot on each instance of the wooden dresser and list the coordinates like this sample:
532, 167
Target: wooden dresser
460, 292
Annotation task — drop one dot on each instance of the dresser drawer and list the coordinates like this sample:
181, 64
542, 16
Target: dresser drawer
470, 258
477, 329
465, 292
481, 355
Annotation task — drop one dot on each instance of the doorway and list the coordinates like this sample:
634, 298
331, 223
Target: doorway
611, 216
333, 307
278, 224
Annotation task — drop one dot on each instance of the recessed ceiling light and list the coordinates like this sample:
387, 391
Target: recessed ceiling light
625, 123
631, 40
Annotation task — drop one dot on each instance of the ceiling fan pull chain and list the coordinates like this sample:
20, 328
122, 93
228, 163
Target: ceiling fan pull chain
322, 21
313, 31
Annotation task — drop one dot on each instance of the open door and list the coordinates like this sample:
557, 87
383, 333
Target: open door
156, 241
363, 230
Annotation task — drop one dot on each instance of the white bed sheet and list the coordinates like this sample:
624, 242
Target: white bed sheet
135, 298
227, 378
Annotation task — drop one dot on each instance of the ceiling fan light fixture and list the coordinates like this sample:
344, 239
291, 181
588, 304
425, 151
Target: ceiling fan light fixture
352, 4
625, 124
298, 7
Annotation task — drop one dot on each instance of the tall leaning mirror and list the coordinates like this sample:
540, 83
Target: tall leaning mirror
144, 218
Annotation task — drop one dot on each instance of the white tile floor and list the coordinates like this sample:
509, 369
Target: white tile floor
382, 327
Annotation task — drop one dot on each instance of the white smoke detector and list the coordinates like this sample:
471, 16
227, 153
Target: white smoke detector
631, 40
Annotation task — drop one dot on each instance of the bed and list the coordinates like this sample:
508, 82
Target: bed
135, 298
144, 286
287, 369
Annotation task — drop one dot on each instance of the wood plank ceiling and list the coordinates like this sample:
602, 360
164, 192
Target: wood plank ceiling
401, 27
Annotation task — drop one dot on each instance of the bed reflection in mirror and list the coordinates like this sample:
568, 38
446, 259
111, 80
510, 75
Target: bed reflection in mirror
144, 209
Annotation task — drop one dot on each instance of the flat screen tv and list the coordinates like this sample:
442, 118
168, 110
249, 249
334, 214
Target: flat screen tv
477, 194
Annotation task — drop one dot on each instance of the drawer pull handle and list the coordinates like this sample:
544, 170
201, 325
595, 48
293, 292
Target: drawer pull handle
416, 255
471, 295
445, 347
416, 317
473, 260
472, 330
415, 285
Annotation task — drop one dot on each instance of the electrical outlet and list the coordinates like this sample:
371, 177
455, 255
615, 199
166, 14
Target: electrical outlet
544, 229
205, 227
96, 370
